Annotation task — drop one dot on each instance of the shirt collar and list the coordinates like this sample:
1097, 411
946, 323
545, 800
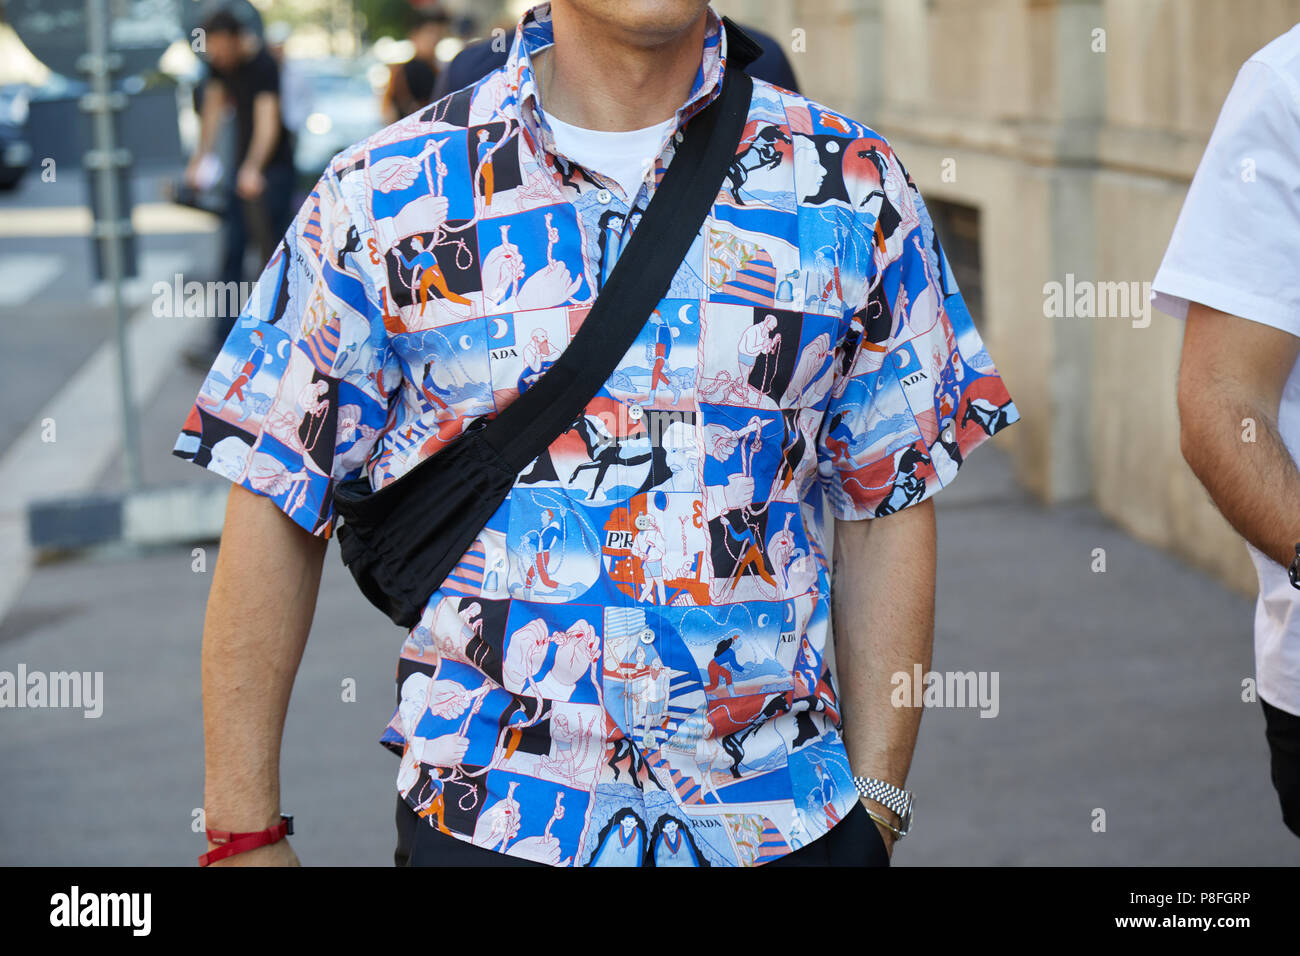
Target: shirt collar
535, 32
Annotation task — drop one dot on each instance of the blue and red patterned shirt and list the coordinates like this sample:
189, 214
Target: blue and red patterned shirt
632, 665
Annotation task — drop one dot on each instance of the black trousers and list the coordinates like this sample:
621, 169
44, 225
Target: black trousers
1282, 730
853, 841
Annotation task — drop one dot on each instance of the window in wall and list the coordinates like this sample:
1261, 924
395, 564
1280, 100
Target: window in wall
958, 228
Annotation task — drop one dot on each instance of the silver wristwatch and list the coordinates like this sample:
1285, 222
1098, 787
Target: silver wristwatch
886, 794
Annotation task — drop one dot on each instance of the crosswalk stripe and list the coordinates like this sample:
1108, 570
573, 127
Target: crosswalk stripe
23, 276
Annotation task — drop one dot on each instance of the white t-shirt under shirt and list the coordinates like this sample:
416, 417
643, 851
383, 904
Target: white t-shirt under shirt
1236, 248
625, 157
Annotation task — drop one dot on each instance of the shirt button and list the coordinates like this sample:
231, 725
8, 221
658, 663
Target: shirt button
604, 196
678, 136
635, 412
647, 636
642, 522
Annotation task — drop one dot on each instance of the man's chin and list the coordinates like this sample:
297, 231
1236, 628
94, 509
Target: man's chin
643, 22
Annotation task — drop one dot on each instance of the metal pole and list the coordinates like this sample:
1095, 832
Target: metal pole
105, 158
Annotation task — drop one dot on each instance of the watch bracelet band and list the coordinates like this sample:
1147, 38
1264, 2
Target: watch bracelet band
888, 795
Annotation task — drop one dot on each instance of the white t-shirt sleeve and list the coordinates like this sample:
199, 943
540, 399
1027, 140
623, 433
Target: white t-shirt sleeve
1236, 246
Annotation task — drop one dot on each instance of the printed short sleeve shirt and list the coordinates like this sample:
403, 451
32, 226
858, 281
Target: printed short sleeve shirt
632, 663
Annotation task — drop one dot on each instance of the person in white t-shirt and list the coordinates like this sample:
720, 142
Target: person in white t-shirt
1232, 271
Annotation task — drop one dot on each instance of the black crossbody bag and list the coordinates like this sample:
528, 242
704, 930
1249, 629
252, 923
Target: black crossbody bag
402, 541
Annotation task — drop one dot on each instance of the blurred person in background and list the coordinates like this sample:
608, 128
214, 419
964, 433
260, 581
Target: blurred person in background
1231, 271
242, 73
411, 84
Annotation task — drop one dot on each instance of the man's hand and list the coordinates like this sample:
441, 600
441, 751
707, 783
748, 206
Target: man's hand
250, 183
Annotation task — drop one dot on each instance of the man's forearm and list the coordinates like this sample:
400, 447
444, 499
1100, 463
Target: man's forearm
1231, 379
883, 617
266, 124
259, 613
1254, 483
210, 115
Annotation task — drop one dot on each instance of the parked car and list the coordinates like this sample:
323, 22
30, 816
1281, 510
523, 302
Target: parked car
344, 108
15, 148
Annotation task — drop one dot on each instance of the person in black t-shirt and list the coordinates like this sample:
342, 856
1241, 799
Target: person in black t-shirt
244, 75
410, 85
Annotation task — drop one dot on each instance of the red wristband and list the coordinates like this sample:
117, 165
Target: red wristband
228, 843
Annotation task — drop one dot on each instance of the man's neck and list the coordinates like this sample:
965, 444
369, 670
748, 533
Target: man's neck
600, 79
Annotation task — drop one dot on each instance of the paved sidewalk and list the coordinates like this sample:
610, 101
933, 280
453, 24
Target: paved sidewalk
1118, 691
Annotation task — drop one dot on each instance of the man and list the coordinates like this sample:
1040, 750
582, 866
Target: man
1232, 271
259, 204
762, 762
410, 84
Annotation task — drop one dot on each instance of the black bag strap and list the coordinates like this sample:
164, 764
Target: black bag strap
641, 276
